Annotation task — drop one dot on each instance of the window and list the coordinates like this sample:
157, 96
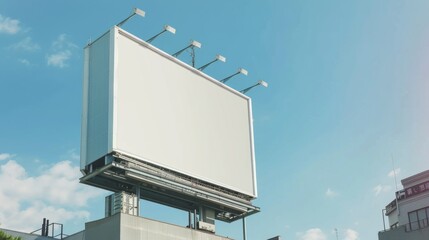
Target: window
412, 216
418, 219
421, 214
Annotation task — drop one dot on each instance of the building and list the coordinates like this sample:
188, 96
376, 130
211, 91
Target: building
125, 226
408, 213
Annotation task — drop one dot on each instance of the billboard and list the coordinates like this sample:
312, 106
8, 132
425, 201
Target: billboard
141, 102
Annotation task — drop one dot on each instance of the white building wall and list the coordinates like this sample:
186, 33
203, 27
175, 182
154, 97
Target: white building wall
412, 204
125, 227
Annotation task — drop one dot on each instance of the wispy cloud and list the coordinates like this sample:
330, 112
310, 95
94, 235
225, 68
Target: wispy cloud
381, 189
26, 44
394, 172
331, 193
5, 156
55, 194
312, 234
61, 51
59, 59
351, 234
9, 25
24, 61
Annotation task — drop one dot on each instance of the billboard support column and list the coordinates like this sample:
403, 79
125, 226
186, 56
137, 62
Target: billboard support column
138, 200
244, 228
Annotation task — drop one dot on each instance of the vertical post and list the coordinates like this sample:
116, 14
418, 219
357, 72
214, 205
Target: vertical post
195, 218
189, 219
47, 228
193, 56
382, 215
43, 226
244, 228
61, 231
138, 200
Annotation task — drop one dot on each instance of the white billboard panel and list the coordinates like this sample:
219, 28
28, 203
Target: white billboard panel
164, 112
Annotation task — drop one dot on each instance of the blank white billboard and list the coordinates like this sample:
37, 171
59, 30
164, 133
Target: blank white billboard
142, 102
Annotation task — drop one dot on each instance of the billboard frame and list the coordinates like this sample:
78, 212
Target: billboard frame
113, 169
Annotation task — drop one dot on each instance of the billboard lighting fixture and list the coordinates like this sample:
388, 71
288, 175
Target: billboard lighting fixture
135, 11
260, 82
240, 70
167, 28
194, 44
218, 58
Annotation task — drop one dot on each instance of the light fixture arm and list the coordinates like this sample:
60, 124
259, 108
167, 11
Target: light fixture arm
206, 65
152, 38
227, 78
192, 47
135, 11
167, 28
247, 89
180, 51
240, 70
218, 58
260, 82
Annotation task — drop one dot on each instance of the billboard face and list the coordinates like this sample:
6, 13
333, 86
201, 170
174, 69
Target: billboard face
159, 110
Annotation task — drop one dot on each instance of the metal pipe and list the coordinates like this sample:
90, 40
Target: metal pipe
382, 215
47, 227
189, 219
244, 228
43, 226
195, 218
138, 200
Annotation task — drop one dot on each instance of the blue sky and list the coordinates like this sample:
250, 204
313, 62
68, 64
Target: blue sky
348, 93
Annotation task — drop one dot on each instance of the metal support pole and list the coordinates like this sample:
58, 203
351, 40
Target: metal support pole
195, 218
244, 228
43, 226
189, 219
138, 200
47, 228
382, 215
193, 56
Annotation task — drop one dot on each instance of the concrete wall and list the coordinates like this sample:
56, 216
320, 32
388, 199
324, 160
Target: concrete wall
106, 228
400, 234
124, 227
77, 236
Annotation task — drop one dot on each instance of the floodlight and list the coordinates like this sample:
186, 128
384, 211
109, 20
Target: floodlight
192, 46
218, 58
260, 82
135, 11
240, 70
167, 28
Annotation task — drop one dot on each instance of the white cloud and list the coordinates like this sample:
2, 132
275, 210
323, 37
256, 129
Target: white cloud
24, 61
381, 189
61, 51
4, 156
26, 44
56, 194
351, 234
392, 173
330, 193
59, 59
8, 25
313, 234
